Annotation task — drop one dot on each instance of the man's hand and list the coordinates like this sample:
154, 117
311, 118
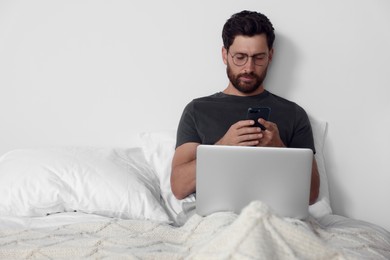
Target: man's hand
242, 133
270, 136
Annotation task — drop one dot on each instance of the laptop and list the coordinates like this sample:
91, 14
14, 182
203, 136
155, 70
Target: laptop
228, 178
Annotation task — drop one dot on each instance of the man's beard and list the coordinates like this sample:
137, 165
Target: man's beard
245, 87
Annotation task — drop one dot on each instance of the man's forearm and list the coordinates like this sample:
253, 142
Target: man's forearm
183, 179
315, 183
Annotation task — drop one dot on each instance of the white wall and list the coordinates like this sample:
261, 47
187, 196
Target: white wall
96, 72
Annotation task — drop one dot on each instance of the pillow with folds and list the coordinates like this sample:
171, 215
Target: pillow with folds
110, 182
159, 148
322, 206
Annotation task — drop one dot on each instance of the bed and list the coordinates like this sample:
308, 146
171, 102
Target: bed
116, 203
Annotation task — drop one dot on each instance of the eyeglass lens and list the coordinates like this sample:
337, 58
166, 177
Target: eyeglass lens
241, 59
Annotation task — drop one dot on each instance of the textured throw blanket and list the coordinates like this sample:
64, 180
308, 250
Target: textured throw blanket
254, 234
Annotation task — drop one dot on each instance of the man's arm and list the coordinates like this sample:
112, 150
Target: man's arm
315, 183
183, 175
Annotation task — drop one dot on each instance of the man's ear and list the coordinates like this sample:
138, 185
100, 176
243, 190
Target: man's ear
270, 55
224, 55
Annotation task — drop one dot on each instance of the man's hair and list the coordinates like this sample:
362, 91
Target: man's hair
247, 23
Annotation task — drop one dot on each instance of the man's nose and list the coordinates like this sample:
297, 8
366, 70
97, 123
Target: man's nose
249, 65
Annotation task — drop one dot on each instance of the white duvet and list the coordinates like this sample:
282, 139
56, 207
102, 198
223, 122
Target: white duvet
254, 234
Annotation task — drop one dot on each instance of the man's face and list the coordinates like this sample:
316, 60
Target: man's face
248, 78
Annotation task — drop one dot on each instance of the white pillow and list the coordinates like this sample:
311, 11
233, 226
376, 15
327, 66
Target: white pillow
159, 148
110, 182
322, 206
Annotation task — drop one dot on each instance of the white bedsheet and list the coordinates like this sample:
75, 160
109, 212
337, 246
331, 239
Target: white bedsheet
255, 234
53, 220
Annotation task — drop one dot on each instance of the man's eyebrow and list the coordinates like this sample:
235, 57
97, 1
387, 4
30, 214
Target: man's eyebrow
260, 53
256, 54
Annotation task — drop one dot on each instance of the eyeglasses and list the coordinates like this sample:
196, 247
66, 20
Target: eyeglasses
240, 59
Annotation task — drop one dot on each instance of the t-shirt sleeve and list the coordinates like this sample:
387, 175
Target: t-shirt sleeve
186, 131
303, 134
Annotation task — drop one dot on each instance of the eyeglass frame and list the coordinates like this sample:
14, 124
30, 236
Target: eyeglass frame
263, 54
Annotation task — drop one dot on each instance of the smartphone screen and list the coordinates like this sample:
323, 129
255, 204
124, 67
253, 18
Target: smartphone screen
255, 113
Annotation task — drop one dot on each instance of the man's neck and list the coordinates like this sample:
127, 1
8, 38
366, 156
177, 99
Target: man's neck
231, 90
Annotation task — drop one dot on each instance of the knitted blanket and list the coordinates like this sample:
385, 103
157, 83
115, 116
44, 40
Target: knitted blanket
254, 234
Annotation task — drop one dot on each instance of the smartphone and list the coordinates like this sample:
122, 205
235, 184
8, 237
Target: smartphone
255, 113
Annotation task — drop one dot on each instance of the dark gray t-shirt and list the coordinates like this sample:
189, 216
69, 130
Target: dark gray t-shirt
206, 120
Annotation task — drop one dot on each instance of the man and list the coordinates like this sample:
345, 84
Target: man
220, 119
